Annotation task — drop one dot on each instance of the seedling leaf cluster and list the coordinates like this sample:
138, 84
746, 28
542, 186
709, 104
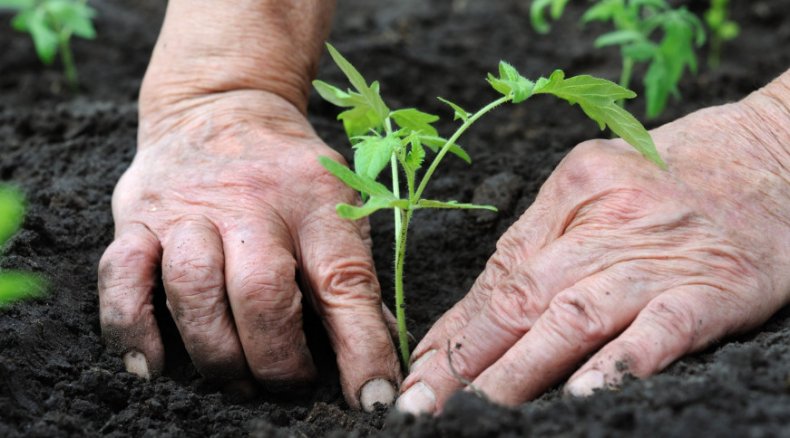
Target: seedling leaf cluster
646, 31
51, 24
400, 139
14, 285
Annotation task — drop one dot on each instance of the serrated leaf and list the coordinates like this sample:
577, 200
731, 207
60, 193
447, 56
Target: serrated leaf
371, 206
15, 286
368, 111
357, 182
537, 13
641, 51
416, 154
430, 203
597, 98
415, 120
460, 113
434, 143
510, 83
372, 155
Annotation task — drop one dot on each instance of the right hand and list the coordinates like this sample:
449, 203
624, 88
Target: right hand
227, 195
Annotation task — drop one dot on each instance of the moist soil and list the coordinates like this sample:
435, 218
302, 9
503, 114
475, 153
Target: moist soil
67, 150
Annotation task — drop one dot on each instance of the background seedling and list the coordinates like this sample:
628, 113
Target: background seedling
722, 29
399, 138
51, 23
14, 285
636, 24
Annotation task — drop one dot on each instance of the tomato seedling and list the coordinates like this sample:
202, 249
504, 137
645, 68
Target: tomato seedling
51, 24
635, 24
383, 137
722, 29
14, 285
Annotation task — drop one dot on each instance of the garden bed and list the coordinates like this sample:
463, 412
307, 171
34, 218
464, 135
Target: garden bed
67, 151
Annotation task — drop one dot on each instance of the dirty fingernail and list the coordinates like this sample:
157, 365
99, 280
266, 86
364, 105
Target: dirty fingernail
136, 363
585, 384
419, 399
421, 360
376, 391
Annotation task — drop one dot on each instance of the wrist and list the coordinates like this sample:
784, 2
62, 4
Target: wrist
230, 45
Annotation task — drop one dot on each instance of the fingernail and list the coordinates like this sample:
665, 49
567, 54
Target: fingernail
136, 363
419, 399
376, 391
421, 360
585, 384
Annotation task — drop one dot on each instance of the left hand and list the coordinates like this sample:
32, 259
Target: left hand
625, 262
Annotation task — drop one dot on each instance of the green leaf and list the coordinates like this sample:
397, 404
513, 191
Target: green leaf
332, 94
12, 211
597, 98
369, 110
618, 38
415, 120
17, 4
435, 143
357, 182
460, 113
372, 205
416, 154
44, 38
430, 203
537, 13
602, 11
372, 154
72, 16
15, 286
510, 83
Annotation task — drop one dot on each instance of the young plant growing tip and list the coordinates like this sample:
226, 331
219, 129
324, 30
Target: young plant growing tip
721, 28
51, 24
14, 285
398, 139
636, 23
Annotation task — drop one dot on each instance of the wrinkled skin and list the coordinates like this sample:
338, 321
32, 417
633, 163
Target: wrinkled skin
226, 194
624, 262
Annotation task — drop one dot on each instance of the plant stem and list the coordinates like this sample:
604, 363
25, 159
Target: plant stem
395, 181
625, 75
451, 141
400, 305
67, 57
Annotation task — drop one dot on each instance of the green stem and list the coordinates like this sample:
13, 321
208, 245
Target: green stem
625, 75
395, 181
451, 141
67, 57
400, 305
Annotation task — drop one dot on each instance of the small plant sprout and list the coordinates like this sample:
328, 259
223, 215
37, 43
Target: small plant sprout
383, 137
51, 24
721, 28
14, 285
635, 24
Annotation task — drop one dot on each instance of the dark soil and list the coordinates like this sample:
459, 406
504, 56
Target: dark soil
67, 151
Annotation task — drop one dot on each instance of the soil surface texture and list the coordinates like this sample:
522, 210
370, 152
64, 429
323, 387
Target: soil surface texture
67, 150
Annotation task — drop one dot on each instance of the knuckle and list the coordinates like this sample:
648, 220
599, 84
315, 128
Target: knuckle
519, 301
124, 258
585, 164
673, 318
268, 285
350, 279
574, 316
634, 357
195, 273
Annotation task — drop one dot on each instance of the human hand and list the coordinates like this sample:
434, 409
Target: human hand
626, 263
227, 195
